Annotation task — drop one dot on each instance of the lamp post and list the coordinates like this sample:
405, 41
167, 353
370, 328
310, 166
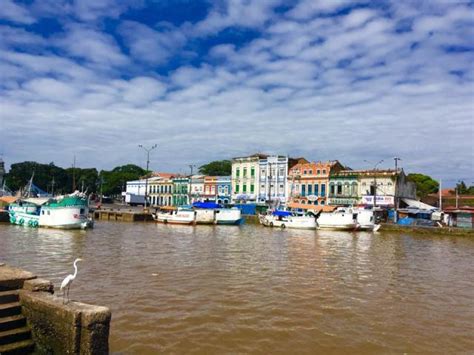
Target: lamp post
397, 159
147, 150
375, 180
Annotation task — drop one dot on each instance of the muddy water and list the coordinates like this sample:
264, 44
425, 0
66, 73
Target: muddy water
251, 289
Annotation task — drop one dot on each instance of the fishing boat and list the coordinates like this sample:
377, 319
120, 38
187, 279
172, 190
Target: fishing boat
64, 212
340, 219
174, 215
287, 219
366, 220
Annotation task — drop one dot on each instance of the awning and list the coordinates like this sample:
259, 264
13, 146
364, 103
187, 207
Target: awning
37, 200
418, 204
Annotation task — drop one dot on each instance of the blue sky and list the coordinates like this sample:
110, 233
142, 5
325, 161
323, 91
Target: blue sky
205, 80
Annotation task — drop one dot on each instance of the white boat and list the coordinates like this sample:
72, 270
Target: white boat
340, 219
229, 216
204, 216
286, 219
173, 215
366, 220
65, 212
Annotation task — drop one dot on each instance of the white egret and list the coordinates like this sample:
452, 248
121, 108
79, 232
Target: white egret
66, 284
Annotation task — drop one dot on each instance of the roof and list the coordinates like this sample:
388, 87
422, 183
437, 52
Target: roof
8, 199
464, 209
164, 175
303, 206
418, 204
256, 155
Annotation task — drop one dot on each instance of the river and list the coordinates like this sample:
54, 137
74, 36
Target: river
249, 289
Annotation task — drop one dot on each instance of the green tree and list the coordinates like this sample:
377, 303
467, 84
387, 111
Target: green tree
83, 178
114, 181
216, 168
424, 184
21, 173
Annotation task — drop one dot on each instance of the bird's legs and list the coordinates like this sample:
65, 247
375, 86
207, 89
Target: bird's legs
68, 286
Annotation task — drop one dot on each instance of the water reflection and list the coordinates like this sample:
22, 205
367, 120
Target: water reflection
251, 289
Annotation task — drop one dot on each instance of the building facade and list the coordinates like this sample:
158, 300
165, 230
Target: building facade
344, 188
180, 191
210, 188
160, 190
196, 188
224, 189
246, 178
308, 182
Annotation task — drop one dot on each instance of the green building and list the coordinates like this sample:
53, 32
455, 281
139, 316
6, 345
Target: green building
180, 191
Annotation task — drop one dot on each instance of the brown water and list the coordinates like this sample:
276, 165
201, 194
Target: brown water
256, 290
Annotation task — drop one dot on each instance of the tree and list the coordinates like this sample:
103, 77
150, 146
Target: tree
86, 178
424, 184
113, 182
216, 168
463, 189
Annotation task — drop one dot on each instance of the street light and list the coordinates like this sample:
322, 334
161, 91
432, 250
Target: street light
147, 150
375, 180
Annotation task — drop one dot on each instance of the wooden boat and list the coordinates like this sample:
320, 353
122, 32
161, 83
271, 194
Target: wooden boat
173, 215
286, 219
340, 219
64, 212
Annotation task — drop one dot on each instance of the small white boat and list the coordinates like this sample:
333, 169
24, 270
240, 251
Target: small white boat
173, 215
228, 216
204, 216
340, 219
366, 220
286, 219
64, 212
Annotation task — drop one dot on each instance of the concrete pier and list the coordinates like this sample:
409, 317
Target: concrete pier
124, 216
34, 320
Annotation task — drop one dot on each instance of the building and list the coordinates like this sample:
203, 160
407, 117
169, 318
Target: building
134, 193
160, 189
224, 189
245, 178
273, 178
210, 188
180, 190
353, 187
308, 182
196, 188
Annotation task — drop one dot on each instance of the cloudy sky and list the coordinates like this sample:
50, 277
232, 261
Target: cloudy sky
205, 80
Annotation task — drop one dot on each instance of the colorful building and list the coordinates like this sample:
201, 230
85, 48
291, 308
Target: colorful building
180, 190
308, 183
160, 189
210, 188
196, 188
245, 178
224, 189
344, 188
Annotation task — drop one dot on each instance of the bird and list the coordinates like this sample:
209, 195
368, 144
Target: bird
66, 284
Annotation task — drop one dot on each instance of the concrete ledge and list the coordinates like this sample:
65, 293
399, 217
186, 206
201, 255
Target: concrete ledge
38, 285
73, 328
13, 278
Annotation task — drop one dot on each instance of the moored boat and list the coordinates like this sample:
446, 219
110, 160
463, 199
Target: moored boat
228, 216
366, 220
211, 212
173, 215
64, 212
340, 219
286, 219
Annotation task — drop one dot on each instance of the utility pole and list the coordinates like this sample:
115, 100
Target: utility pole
191, 166
440, 196
457, 196
147, 150
74, 174
396, 162
375, 180
270, 177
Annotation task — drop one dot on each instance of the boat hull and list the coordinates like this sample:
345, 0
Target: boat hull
290, 222
230, 217
179, 217
34, 221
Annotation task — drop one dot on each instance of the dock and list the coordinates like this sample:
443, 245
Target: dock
123, 215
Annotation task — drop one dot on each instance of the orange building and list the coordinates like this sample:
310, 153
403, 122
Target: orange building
309, 182
210, 188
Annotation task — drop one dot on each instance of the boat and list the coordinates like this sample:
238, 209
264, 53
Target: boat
174, 215
64, 212
228, 216
287, 219
366, 220
340, 219
211, 212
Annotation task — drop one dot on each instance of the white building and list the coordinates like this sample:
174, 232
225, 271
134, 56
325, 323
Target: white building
273, 179
196, 186
246, 178
135, 191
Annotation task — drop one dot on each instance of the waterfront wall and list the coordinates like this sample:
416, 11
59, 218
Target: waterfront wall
56, 328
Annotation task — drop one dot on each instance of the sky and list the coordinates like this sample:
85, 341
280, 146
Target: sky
357, 81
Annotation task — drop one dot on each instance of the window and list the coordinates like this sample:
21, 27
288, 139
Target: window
316, 202
281, 172
318, 172
324, 171
244, 189
262, 172
237, 189
262, 186
310, 189
237, 172
316, 189
245, 172
311, 172
323, 202
252, 171
252, 188
339, 188
304, 172
303, 190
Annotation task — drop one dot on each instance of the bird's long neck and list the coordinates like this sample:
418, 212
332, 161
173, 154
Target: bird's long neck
75, 268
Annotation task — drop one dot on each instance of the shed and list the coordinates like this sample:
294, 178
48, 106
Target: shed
462, 217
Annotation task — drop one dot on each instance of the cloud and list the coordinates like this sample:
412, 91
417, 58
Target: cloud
15, 13
154, 46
